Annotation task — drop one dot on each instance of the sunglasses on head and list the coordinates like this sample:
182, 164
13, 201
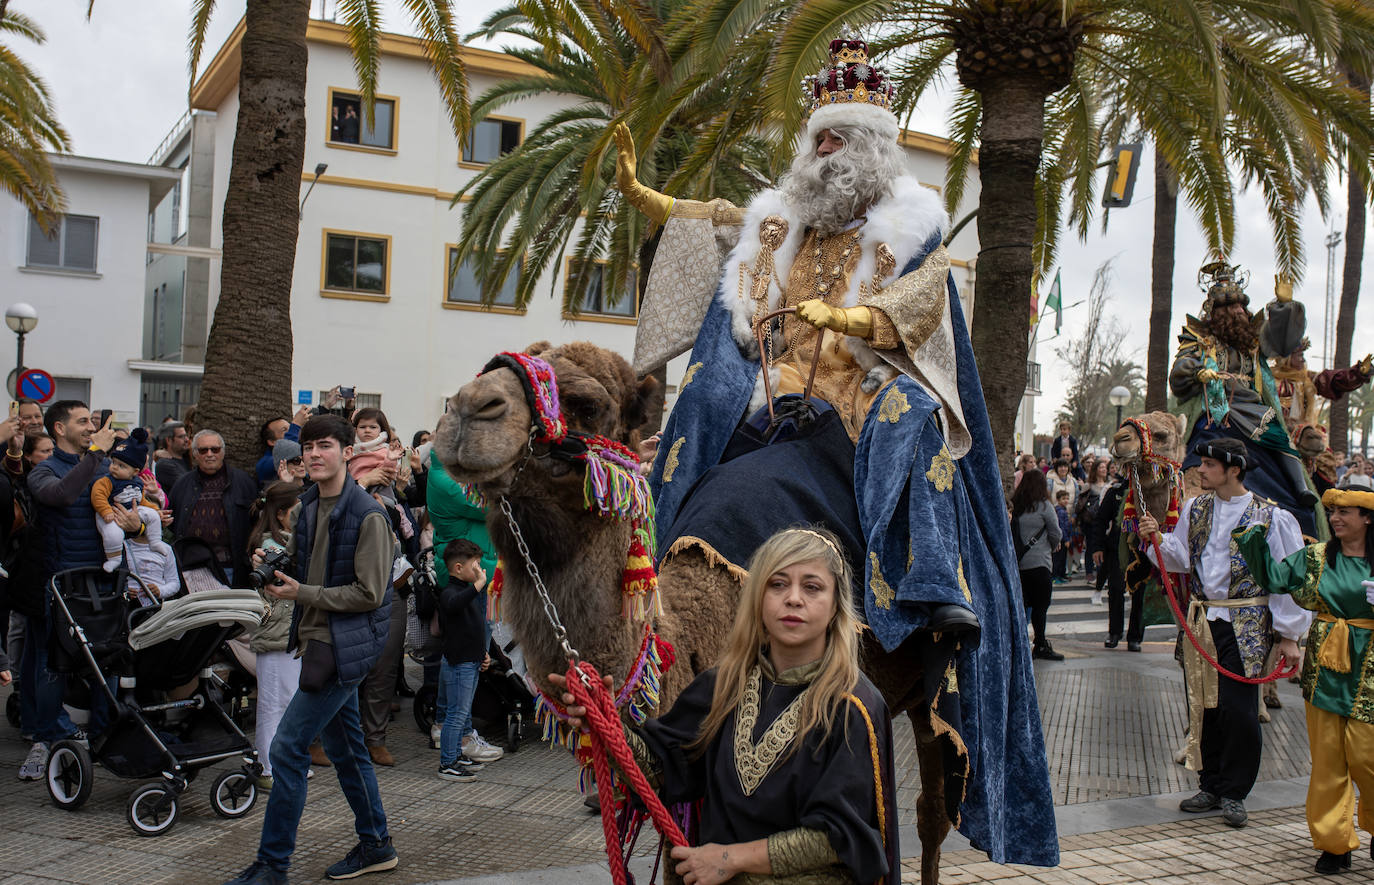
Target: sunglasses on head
209, 450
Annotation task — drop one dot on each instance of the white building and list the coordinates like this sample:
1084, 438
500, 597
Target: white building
373, 305
87, 281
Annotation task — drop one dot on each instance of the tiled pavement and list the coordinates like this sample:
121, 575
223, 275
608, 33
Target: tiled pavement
1111, 721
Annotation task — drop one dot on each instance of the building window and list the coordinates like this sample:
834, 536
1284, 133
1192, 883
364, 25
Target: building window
463, 290
360, 401
72, 246
596, 302
491, 138
347, 125
71, 388
356, 263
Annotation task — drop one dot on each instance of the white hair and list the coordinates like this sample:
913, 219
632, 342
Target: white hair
830, 192
195, 440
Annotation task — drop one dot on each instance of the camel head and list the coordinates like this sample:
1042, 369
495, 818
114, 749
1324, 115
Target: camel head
1168, 434
1309, 439
482, 438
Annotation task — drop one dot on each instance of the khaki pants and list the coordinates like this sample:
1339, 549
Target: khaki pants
1342, 759
378, 689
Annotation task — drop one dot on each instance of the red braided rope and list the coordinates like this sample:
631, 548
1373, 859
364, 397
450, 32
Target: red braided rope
603, 724
1279, 671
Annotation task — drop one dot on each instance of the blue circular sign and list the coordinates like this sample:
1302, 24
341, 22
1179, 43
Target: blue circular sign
35, 384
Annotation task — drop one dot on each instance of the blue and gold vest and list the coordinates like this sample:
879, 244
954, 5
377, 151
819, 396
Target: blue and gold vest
1253, 625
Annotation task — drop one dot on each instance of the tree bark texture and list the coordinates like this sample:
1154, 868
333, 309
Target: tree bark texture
248, 356
1159, 352
1009, 159
1356, 206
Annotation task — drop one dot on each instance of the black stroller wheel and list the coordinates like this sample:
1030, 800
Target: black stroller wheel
233, 794
69, 774
152, 809
425, 707
514, 726
12, 709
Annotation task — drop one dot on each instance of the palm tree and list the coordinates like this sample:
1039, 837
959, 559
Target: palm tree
693, 129
261, 218
28, 128
1356, 67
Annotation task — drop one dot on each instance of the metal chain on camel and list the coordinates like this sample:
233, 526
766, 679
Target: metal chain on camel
603, 725
1281, 670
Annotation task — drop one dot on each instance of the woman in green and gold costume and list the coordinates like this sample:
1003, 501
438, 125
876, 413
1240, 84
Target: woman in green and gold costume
1333, 580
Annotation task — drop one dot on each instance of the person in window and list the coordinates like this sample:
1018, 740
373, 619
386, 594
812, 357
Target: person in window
815, 807
349, 126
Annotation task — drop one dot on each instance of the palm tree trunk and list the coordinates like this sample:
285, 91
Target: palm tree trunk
1009, 159
1161, 286
249, 351
1356, 206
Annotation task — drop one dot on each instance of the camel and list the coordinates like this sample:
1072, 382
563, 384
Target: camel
1168, 436
484, 440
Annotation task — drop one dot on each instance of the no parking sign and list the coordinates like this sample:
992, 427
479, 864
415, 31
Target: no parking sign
37, 385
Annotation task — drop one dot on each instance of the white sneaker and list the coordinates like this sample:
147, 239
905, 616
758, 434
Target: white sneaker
34, 763
435, 732
479, 750
1097, 597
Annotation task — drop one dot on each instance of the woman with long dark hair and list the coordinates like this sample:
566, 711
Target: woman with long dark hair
1035, 531
1333, 579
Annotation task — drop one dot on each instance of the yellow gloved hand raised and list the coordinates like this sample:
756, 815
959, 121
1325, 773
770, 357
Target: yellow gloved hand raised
653, 204
857, 321
1205, 375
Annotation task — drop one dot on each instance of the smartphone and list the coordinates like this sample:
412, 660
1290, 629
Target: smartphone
105, 417
346, 392
14, 407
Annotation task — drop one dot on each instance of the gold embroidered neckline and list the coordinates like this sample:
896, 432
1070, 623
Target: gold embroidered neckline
799, 675
753, 761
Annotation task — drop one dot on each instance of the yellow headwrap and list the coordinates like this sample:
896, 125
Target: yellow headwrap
1348, 498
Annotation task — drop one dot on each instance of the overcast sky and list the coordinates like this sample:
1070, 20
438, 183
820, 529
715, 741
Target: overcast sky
120, 81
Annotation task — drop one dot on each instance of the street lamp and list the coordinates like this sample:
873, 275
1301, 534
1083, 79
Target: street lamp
1118, 396
22, 319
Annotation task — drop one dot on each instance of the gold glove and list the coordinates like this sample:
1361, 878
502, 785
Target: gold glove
1205, 375
653, 204
1366, 365
1283, 289
856, 321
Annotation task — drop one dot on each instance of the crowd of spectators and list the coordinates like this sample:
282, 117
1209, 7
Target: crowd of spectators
80, 493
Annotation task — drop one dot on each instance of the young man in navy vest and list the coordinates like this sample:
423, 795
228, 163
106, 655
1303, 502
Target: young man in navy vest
341, 583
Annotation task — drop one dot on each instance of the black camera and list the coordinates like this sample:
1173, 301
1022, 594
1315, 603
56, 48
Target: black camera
277, 560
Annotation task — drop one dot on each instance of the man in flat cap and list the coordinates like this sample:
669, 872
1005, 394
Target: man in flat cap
1233, 619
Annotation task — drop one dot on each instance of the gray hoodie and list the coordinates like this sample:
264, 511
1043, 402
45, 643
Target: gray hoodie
1027, 525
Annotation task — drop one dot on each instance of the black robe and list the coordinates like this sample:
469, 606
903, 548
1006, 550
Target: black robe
826, 785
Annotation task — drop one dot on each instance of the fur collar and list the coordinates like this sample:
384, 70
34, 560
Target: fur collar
372, 445
904, 220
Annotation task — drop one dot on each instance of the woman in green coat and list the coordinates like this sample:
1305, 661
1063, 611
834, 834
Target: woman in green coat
1333, 579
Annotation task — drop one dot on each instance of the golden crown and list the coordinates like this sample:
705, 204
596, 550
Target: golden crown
850, 77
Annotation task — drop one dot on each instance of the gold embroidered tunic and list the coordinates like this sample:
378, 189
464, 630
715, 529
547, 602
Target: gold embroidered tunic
822, 269
816, 803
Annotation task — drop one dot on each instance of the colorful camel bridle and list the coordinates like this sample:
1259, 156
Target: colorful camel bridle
1158, 466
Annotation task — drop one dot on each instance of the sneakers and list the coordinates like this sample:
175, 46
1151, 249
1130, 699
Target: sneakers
479, 750
365, 859
1203, 801
80, 736
456, 772
435, 732
1330, 863
264, 782
1046, 652
1233, 812
1097, 597
259, 874
34, 763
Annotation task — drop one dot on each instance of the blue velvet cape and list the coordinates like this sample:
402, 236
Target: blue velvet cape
941, 516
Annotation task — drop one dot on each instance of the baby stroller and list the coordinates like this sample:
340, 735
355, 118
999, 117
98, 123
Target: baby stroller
131, 656
233, 668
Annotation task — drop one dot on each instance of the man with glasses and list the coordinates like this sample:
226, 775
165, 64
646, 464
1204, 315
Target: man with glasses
211, 503
173, 461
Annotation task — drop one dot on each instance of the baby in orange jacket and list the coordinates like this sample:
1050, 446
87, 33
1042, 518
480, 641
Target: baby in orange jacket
124, 486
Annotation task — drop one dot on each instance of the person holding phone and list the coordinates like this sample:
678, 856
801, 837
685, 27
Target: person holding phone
65, 530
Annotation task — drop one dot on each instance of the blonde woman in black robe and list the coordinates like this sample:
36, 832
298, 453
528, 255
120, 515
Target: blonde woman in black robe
785, 744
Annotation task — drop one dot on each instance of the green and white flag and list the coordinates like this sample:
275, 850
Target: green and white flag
1056, 301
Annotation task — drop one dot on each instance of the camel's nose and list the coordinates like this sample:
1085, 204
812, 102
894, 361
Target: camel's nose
481, 405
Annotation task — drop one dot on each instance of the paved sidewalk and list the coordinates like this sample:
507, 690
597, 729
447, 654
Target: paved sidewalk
1111, 720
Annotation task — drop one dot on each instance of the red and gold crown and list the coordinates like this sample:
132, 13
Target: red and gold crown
850, 77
